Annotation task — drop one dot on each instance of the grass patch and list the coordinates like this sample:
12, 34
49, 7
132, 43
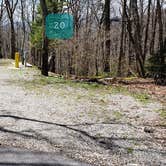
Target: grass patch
118, 89
39, 81
130, 150
117, 115
61, 81
49, 80
162, 113
139, 96
84, 85
31, 79
107, 119
142, 97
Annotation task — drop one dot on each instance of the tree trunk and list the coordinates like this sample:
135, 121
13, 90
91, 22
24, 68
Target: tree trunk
121, 55
147, 31
159, 13
136, 38
154, 24
44, 69
23, 25
106, 24
10, 7
161, 40
13, 44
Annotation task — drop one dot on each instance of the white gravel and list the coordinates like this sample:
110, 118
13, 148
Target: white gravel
92, 125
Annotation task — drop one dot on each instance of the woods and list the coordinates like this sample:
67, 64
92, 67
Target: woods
111, 38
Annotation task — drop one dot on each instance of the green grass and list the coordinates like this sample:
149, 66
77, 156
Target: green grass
162, 113
130, 150
118, 89
117, 115
39, 81
141, 97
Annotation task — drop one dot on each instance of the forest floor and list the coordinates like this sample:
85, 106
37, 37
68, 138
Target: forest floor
97, 124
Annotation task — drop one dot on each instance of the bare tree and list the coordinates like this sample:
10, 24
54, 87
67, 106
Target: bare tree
97, 45
147, 30
1, 15
106, 24
33, 9
135, 35
122, 53
160, 23
23, 6
11, 7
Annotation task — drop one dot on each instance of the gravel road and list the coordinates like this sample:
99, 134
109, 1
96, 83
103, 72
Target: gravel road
91, 124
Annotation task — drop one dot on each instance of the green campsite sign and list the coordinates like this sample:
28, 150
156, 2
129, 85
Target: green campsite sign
59, 26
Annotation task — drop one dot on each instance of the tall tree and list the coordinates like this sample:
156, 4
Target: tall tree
160, 23
105, 21
153, 28
1, 15
11, 7
134, 28
147, 30
23, 6
44, 9
122, 54
33, 9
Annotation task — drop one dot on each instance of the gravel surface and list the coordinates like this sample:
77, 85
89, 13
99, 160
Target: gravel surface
94, 125
18, 157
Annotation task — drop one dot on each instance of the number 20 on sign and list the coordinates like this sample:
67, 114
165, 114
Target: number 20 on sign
59, 26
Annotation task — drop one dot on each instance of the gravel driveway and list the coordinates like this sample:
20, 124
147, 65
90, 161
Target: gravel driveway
95, 124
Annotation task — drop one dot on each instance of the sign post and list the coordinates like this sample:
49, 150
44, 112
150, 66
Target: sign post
17, 59
59, 26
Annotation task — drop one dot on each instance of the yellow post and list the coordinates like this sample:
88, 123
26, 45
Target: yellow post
17, 59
